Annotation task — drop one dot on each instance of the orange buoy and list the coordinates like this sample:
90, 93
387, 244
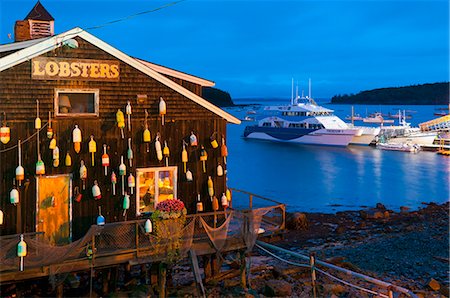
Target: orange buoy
224, 151
193, 139
76, 139
5, 132
105, 160
203, 158
199, 204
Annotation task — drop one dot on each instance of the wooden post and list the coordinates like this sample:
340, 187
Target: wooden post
60, 290
250, 203
196, 270
106, 277
162, 279
243, 270
313, 274
207, 267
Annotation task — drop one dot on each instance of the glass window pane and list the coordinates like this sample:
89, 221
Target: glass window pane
146, 184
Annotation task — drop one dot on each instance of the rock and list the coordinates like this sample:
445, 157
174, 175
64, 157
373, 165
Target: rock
334, 289
340, 229
297, 221
277, 288
374, 214
380, 206
434, 285
404, 209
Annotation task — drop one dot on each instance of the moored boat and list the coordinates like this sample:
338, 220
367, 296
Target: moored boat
377, 118
405, 147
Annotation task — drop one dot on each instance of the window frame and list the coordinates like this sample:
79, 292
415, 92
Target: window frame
96, 93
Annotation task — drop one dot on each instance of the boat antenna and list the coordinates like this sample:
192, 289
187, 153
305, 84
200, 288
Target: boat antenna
292, 92
296, 93
309, 87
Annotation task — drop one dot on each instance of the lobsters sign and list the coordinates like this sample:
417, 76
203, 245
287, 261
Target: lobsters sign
46, 68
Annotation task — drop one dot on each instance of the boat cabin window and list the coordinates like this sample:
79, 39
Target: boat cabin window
267, 124
154, 185
76, 102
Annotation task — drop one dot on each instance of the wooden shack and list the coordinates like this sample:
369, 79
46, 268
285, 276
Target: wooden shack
74, 79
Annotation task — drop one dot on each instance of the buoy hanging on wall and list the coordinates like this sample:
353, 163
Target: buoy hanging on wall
76, 139
122, 173
166, 153
126, 204
20, 171
100, 218
213, 140
193, 140
14, 196
184, 156
148, 227
83, 173
21, 251
162, 109
96, 193
146, 135
49, 127
105, 160
131, 182
55, 156
224, 201
1, 217
120, 118
189, 177
5, 132
203, 158
199, 204
92, 149
224, 151
215, 204
219, 170
210, 187
37, 121
128, 111
113, 182
159, 154
52, 144
40, 167
68, 160
130, 153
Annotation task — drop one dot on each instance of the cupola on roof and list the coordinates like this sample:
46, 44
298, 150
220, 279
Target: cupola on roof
39, 13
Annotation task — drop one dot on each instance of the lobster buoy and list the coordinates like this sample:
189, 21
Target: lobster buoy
193, 139
1, 217
128, 111
146, 135
55, 156
113, 182
21, 251
219, 170
130, 153
224, 201
122, 173
162, 109
189, 177
76, 139
5, 132
166, 153
52, 144
213, 141
184, 157
126, 204
105, 160
210, 187
96, 193
224, 151
20, 171
92, 148
49, 128
14, 196
37, 121
77, 195
120, 118
40, 167
148, 227
159, 154
215, 203
131, 182
203, 158
68, 160
199, 204
100, 218
83, 173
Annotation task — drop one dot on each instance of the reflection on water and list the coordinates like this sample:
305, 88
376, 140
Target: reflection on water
317, 178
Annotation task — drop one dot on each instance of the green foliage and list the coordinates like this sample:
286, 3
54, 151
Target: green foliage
217, 97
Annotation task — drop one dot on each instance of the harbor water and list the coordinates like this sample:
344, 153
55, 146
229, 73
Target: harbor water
330, 179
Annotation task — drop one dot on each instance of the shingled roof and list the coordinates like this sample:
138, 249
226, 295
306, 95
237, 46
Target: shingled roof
39, 13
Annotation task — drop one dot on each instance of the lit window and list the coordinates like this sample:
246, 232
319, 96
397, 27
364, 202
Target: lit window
79, 102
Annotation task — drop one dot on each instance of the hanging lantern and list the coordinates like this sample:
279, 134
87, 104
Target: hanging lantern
76, 139
219, 170
5, 132
55, 156
100, 219
213, 140
193, 139
96, 193
40, 167
203, 158
148, 227
128, 111
120, 118
68, 160
52, 144
83, 174
49, 127
1, 217
130, 153
14, 196
126, 204
210, 187
131, 182
215, 204
224, 201
37, 121
21, 250
92, 148
184, 157
113, 182
189, 177
166, 153
122, 173
162, 109
199, 204
105, 160
147, 136
224, 151
159, 154
20, 172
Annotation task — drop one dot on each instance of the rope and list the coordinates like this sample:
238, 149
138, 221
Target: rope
323, 272
24, 141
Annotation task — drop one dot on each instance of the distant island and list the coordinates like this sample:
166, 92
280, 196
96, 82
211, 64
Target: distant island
217, 97
426, 94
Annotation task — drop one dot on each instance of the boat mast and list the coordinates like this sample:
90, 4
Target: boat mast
309, 87
292, 92
296, 94
353, 112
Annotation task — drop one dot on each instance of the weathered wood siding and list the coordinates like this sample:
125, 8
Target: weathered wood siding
18, 95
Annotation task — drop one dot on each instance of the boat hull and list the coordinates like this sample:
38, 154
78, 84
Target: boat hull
325, 137
366, 137
422, 139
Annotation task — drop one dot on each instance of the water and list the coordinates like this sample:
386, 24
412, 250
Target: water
330, 179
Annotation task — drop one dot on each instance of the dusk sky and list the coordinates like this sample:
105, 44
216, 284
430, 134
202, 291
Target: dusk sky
253, 48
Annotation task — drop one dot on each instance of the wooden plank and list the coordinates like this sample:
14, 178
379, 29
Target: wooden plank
197, 276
